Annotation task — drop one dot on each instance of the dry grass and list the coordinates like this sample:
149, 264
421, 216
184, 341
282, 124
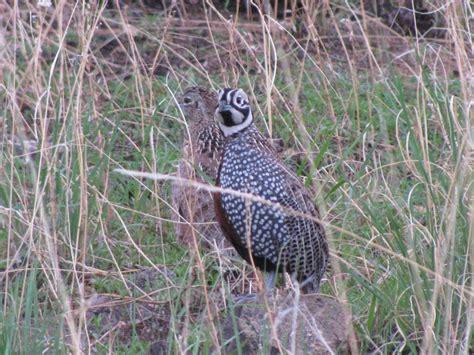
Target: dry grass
379, 123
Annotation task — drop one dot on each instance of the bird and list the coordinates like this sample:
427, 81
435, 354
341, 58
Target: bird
194, 209
279, 229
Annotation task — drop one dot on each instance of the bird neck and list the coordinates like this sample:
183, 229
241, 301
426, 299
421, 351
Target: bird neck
242, 133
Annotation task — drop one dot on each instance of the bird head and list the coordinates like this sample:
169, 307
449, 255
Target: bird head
198, 103
233, 112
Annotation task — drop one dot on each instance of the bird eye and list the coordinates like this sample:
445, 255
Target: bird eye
187, 100
238, 100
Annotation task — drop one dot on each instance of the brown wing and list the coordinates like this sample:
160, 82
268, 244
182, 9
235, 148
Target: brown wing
195, 215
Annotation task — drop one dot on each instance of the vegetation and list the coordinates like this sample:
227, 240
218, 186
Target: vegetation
377, 122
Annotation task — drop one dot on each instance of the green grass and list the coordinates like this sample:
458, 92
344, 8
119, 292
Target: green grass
388, 153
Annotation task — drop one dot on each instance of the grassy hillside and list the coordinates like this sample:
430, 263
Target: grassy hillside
378, 123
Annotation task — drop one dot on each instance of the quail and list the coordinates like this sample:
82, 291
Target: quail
278, 230
200, 162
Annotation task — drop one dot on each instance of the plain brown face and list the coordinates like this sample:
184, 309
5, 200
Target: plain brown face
190, 103
198, 103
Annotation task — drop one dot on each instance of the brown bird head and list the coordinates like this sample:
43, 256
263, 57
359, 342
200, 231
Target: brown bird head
198, 105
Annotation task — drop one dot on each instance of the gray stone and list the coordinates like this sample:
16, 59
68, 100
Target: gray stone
314, 324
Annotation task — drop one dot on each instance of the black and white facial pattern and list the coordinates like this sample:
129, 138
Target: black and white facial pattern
233, 112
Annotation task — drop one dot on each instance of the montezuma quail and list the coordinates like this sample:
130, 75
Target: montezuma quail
200, 163
282, 236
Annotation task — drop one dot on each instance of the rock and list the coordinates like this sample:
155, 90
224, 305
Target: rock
321, 325
150, 278
158, 348
124, 318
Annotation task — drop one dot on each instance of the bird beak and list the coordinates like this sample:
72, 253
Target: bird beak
224, 106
